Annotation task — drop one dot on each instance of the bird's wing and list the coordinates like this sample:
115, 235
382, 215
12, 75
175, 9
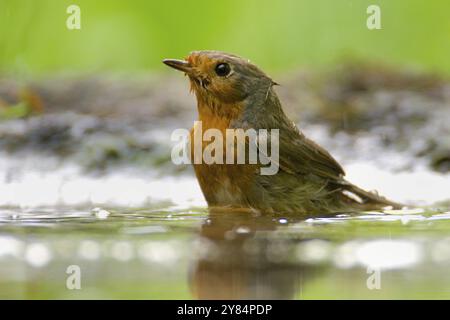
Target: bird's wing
303, 156
300, 155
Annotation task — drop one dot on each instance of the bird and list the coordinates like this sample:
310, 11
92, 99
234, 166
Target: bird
233, 93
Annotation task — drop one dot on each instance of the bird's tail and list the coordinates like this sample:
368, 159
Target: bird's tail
367, 200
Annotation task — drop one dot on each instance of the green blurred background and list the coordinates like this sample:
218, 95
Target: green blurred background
135, 35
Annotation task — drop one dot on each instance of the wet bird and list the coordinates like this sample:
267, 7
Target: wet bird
233, 93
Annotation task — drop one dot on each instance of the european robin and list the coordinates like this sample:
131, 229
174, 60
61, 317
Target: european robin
233, 93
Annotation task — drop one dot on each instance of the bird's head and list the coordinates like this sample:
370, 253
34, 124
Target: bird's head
220, 78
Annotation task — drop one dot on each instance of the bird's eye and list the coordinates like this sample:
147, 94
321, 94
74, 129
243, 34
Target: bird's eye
223, 69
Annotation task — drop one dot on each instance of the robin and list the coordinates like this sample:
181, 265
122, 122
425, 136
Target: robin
233, 93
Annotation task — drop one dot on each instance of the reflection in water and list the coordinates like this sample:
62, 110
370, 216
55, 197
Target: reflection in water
154, 254
240, 261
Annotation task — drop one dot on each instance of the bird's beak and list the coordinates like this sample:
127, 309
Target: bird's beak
178, 64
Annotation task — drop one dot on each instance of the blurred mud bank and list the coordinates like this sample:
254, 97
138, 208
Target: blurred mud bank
80, 140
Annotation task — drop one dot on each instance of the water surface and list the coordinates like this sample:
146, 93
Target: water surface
187, 254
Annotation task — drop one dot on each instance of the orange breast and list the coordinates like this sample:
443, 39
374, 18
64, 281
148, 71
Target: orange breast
222, 184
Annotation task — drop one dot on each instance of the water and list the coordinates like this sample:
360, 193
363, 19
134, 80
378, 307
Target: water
186, 254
